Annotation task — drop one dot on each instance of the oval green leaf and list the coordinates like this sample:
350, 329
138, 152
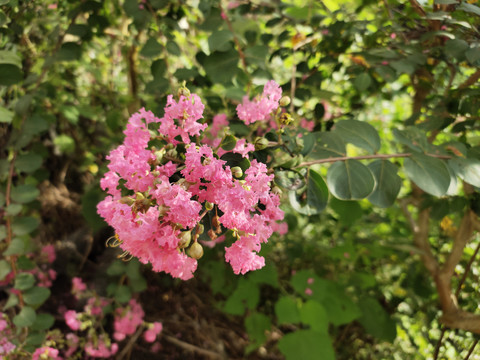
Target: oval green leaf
350, 180
26, 317
24, 193
358, 133
290, 180
306, 345
314, 200
24, 281
429, 173
467, 170
228, 143
36, 296
388, 183
28, 162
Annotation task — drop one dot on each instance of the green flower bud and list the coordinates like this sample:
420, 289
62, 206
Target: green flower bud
208, 205
200, 229
127, 200
284, 101
261, 143
237, 172
185, 238
285, 119
277, 191
195, 251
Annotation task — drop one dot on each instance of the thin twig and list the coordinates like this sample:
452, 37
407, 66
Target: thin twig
128, 347
366, 157
471, 80
470, 352
467, 270
193, 348
439, 342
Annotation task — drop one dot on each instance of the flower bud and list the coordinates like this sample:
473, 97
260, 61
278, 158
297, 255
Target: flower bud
185, 238
284, 101
276, 191
200, 229
159, 155
261, 143
212, 235
183, 91
285, 119
208, 206
195, 251
172, 153
139, 196
237, 172
127, 200
215, 224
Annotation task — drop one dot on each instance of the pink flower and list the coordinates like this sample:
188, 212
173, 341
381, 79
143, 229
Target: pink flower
308, 291
310, 280
78, 286
72, 342
71, 320
308, 125
46, 352
48, 251
262, 106
127, 320
151, 334
101, 350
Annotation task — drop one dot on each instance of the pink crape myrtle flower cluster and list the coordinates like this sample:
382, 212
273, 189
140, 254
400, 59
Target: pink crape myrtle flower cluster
128, 319
159, 196
262, 106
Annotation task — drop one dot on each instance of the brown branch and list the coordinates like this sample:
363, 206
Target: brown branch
471, 80
467, 270
192, 348
470, 351
418, 8
128, 347
462, 320
366, 157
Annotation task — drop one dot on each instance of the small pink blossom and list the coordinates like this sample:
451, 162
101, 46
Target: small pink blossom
310, 280
48, 251
151, 334
127, 320
308, 125
46, 352
72, 320
101, 350
262, 106
308, 291
78, 286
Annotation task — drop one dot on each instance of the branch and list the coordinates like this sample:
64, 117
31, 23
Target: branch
189, 347
463, 235
471, 80
462, 320
366, 157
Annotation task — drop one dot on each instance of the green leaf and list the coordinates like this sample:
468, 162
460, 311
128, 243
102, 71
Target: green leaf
228, 143
388, 183
220, 40
245, 296
429, 173
69, 51
314, 199
158, 68
24, 263
151, 48
36, 296
286, 310
6, 116
376, 320
339, 306
122, 294
10, 74
24, 281
267, 275
456, 48
290, 180
328, 145
313, 313
11, 301
13, 209
470, 8
4, 269
362, 82
28, 162
350, 180
173, 48
348, 211
24, 225
473, 56
221, 67
257, 55
26, 317
306, 345
256, 325
10, 57
24, 193
466, 169
234, 159
43, 321
64, 143
16, 247
358, 133
116, 268
412, 137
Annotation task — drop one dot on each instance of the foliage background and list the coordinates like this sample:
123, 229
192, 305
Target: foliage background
71, 73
